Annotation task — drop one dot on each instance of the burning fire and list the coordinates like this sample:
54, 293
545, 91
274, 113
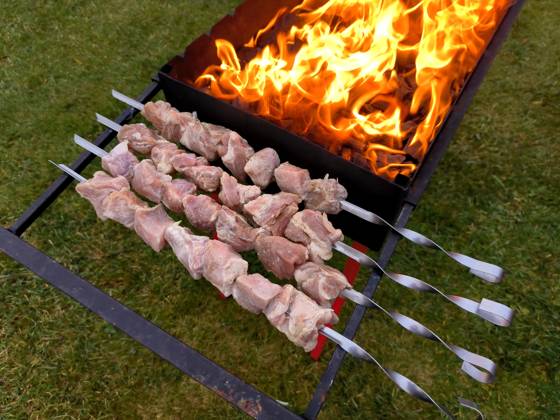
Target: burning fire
371, 80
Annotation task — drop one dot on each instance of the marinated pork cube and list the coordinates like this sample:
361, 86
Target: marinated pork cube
254, 292
197, 138
183, 160
121, 207
277, 311
305, 319
279, 255
222, 265
201, 211
207, 178
98, 188
220, 135
156, 113
237, 155
261, 166
234, 230
233, 194
299, 317
139, 137
188, 248
119, 161
313, 229
148, 182
170, 122
273, 211
175, 191
162, 155
150, 224
291, 178
321, 282
324, 195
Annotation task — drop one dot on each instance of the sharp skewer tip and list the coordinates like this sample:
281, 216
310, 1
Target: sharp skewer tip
89, 146
69, 171
108, 122
127, 100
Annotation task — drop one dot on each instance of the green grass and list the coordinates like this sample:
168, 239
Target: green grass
495, 195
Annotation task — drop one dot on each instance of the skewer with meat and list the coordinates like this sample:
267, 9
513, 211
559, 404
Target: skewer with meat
269, 211
491, 311
289, 310
330, 196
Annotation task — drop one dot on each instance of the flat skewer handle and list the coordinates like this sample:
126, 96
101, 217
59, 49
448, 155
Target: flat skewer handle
478, 367
491, 311
490, 273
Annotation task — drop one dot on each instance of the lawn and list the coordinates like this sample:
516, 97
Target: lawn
495, 196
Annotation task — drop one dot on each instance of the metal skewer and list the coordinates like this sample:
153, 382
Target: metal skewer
472, 363
489, 310
353, 348
488, 272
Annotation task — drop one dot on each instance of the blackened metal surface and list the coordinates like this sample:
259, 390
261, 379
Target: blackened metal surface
63, 181
327, 380
183, 357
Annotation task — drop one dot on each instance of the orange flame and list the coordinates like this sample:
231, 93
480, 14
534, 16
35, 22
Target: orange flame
371, 80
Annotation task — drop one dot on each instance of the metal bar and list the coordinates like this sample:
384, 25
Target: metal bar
329, 375
238, 393
60, 184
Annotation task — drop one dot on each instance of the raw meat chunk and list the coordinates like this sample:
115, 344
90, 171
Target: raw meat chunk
220, 136
207, 178
306, 318
234, 230
162, 155
313, 229
273, 211
254, 292
321, 282
97, 188
120, 161
277, 311
148, 182
139, 137
235, 195
175, 191
170, 122
291, 178
188, 248
237, 155
201, 211
197, 138
183, 160
280, 256
261, 166
121, 207
324, 195
222, 265
150, 224
297, 316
